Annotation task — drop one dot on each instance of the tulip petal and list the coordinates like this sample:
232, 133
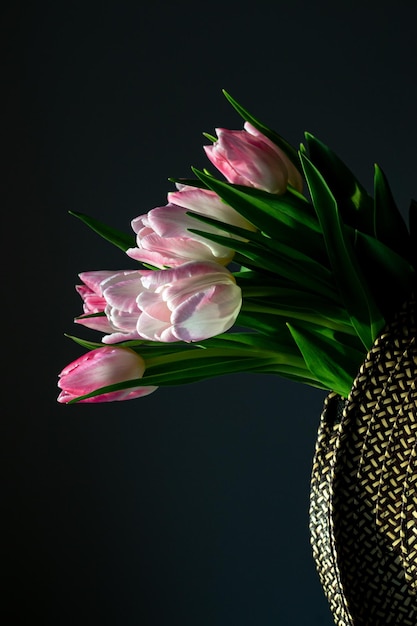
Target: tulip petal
100, 323
153, 329
294, 175
93, 279
122, 295
153, 305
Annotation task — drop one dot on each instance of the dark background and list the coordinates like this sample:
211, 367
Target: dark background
189, 506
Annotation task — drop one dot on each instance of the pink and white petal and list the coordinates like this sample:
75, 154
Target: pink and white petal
94, 279
168, 221
224, 166
152, 304
122, 320
216, 300
187, 247
154, 258
207, 313
138, 223
122, 294
100, 323
118, 337
93, 303
182, 288
294, 175
208, 203
153, 329
155, 279
195, 199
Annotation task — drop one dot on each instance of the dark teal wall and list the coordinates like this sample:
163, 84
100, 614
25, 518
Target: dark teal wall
188, 507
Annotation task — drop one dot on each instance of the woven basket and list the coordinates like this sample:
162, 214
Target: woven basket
363, 509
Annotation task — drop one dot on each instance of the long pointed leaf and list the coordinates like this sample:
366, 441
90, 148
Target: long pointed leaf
116, 237
335, 365
355, 293
390, 227
355, 204
390, 276
282, 261
265, 210
282, 143
299, 243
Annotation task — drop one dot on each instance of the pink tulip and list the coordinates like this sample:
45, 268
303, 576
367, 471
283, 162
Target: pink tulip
163, 235
191, 302
99, 368
247, 157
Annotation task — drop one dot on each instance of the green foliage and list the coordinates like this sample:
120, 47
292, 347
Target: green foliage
332, 362
116, 237
389, 226
353, 289
354, 205
320, 275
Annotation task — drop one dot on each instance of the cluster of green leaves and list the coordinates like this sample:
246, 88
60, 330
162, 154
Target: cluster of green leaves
320, 275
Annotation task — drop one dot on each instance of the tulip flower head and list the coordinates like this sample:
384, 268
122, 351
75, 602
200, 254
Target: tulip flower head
247, 157
164, 237
191, 302
99, 368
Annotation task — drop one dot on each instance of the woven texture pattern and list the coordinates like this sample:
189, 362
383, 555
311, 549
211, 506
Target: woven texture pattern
363, 509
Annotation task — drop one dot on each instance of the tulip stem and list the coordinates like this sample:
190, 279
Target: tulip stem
271, 357
302, 315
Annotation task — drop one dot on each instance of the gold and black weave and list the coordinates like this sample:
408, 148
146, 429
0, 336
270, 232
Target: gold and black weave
363, 509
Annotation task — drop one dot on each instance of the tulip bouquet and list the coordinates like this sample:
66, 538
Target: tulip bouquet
280, 262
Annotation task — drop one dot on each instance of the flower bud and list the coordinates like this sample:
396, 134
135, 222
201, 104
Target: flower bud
247, 157
99, 368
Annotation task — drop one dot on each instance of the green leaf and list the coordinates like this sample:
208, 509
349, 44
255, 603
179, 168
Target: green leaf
334, 364
354, 291
116, 237
261, 322
210, 137
295, 242
280, 345
390, 227
189, 182
283, 260
287, 148
354, 203
146, 349
305, 377
390, 276
90, 345
264, 210
303, 311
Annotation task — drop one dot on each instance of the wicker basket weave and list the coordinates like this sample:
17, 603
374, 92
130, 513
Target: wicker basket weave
363, 510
